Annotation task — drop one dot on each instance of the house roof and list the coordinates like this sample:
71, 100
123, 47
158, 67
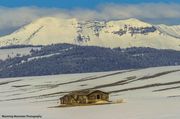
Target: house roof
84, 92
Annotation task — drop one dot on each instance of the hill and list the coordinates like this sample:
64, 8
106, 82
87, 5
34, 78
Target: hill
67, 58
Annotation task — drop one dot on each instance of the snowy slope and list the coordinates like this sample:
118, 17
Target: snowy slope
121, 33
173, 31
43, 31
151, 93
11, 53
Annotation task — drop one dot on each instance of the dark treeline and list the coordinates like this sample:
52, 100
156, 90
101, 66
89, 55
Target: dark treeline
19, 46
80, 59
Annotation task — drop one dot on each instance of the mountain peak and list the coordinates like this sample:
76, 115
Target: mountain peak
133, 19
135, 22
121, 33
56, 20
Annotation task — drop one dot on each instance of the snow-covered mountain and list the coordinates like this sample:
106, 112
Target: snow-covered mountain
173, 31
123, 33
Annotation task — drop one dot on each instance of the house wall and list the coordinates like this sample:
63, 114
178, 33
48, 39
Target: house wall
93, 97
82, 99
74, 99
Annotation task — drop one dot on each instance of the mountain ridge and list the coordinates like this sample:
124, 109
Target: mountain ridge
118, 33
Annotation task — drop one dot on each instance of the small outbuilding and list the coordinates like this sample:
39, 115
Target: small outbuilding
85, 97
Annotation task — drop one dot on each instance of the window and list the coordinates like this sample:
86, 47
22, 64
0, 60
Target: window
98, 97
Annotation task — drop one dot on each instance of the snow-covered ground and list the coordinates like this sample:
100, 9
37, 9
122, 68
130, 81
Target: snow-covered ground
152, 93
49, 55
11, 53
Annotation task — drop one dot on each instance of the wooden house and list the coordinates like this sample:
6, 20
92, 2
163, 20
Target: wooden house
85, 97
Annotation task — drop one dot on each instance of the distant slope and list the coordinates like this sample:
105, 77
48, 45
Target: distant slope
121, 33
16, 51
173, 31
66, 58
